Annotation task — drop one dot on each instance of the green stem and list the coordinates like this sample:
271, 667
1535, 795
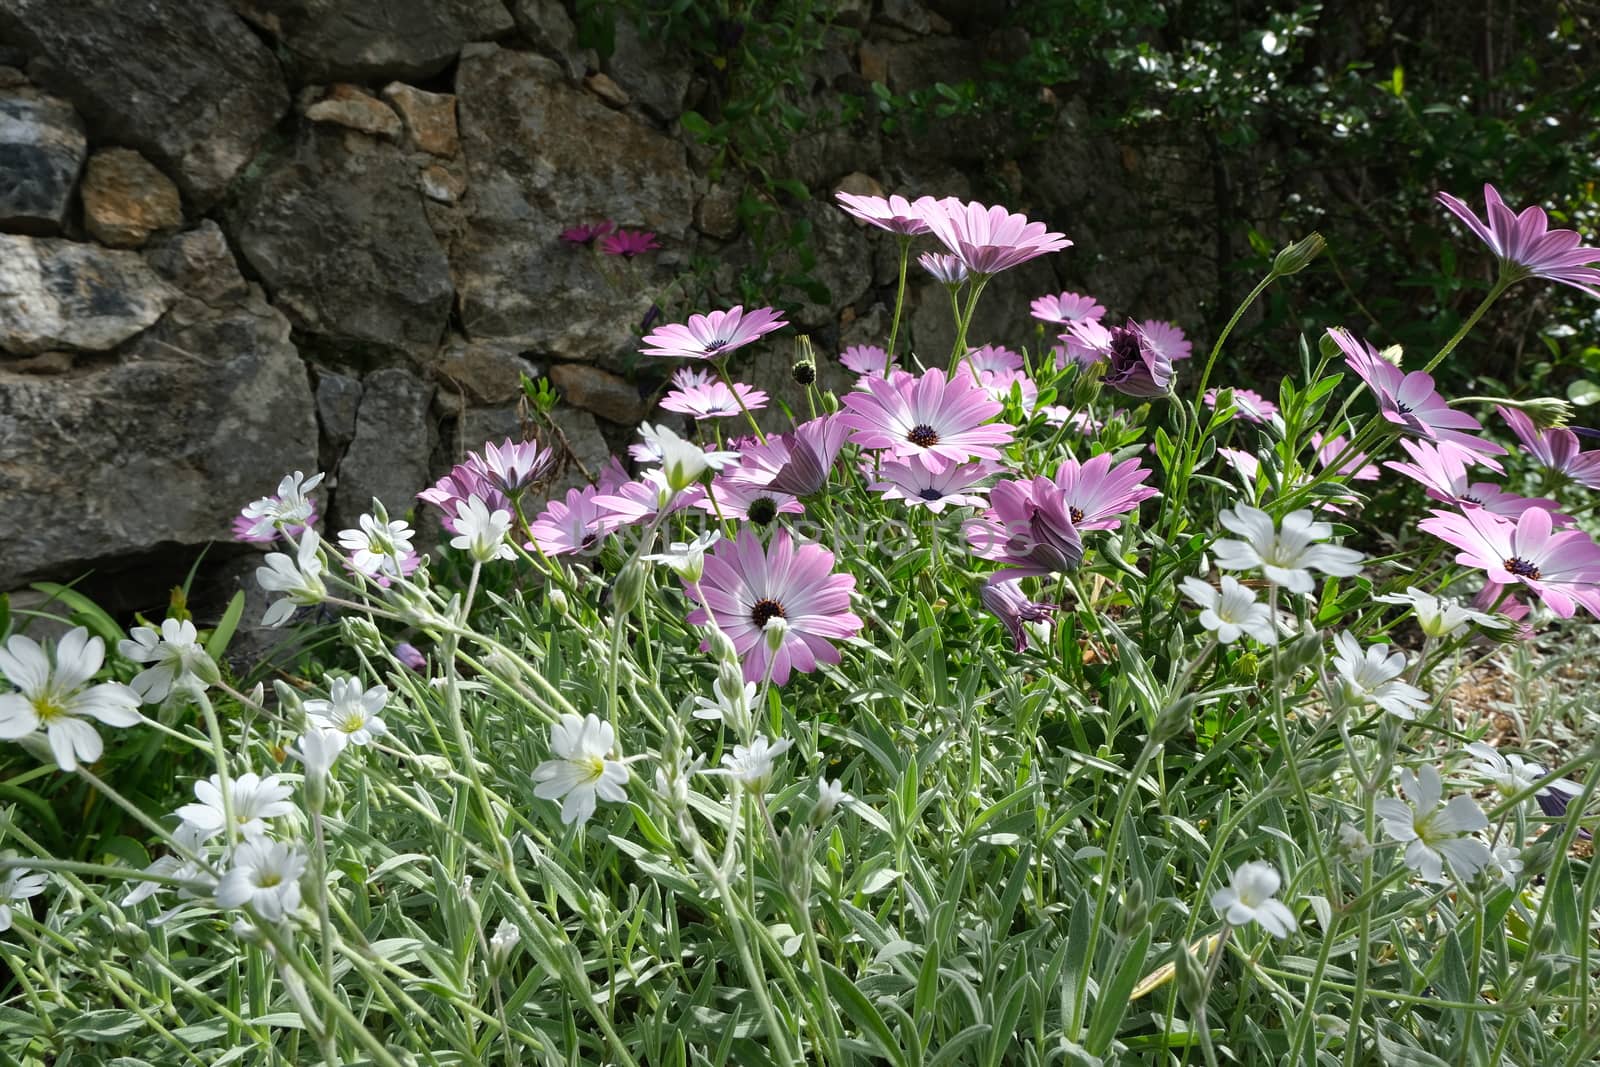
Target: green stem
1501, 284
899, 295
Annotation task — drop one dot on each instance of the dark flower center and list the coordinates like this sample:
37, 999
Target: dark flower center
588, 541
1403, 409
1124, 345
762, 510
804, 372
765, 611
931, 494
923, 436
1075, 514
1468, 498
717, 343
1522, 568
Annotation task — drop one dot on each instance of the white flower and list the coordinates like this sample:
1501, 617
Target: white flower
351, 711
178, 657
1286, 555
1506, 771
16, 885
687, 559
319, 749
196, 881
265, 875
1250, 899
377, 547
1353, 842
683, 462
1433, 832
1369, 678
733, 702
290, 507
752, 764
254, 800
482, 533
54, 698
1232, 612
1505, 863
505, 938
585, 768
1441, 616
830, 795
299, 577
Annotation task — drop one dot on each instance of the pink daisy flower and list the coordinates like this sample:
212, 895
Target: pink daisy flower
1063, 308
629, 243
930, 419
1443, 476
812, 449
992, 358
955, 486
1251, 405
1526, 246
1136, 367
1410, 402
947, 269
987, 240
714, 400
998, 385
1557, 448
1008, 603
1166, 338
587, 232
866, 360
895, 214
573, 525
1081, 420
1355, 467
513, 466
1098, 494
745, 587
465, 481
749, 501
706, 336
1561, 567
1029, 528
1243, 462
641, 500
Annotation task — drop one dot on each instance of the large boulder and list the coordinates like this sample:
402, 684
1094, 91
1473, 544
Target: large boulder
62, 294
364, 41
535, 163
336, 229
158, 447
388, 459
187, 84
41, 151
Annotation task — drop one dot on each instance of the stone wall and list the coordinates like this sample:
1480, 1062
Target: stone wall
243, 238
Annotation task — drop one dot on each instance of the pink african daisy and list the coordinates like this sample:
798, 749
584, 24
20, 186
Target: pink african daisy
929, 418
1166, 338
1029, 528
465, 481
642, 499
946, 269
987, 240
895, 214
513, 466
955, 486
1098, 494
745, 587
1135, 367
1354, 466
999, 384
1063, 308
992, 358
811, 447
1006, 600
1251, 405
629, 243
714, 400
1562, 567
705, 336
1442, 473
1410, 402
573, 525
586, 232
1557, 448
1082, 421
749, 501
1526, 246
866, 359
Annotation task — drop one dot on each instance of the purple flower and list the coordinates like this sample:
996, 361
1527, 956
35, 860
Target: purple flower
706, 336
1062, 308
1442, 473
587, 232
1136, 367
992, 358
513, 466
1008, 603
1526, 246
946, 269
641, 500
629, 243
410, 657
1251, 405
1166, 338
998, 384
745, 587
572, 525
987, 240
930, 419
749, 501
895, 214
709, 398
955, 486
866, 360
812, 449
465, 481
1557, 448
1029, 528
1098, 494
1561, 567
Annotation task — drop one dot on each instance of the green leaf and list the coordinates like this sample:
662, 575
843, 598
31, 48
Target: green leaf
1112, 1003
1582, 392
859, 1008
85, 612
217, 643
107, 1025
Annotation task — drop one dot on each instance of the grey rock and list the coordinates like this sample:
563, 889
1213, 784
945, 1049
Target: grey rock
61, 294
199, 263
608, 395
338, 398
125, 199
483, 373
548, 27
905, 15
530, 140
654, 75
42, 146
366, 41
717, 213
430, 118
187, 84
348, 106
336, 229
154, 450
388, 458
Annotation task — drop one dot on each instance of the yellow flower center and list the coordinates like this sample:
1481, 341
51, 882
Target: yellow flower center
592, 767
49, 710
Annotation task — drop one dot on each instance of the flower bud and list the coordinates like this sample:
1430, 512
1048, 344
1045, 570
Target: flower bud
774, 631
804, 372
360, 632
1174, 719
1297, 256
629, 588
501, 943
1547, 412
557, 599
